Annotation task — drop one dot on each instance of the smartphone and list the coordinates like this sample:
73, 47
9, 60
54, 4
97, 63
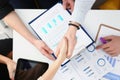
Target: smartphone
29, 69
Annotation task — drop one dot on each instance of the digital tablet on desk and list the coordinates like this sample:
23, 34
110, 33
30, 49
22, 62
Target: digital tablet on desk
51, 26
29, 69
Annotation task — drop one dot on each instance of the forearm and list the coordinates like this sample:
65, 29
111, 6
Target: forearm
4, 59
80, 10
13, 20
49, 74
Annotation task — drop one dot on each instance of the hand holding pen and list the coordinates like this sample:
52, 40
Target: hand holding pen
110, 44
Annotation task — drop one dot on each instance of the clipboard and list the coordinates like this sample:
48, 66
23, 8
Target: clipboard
51, 25
106, 30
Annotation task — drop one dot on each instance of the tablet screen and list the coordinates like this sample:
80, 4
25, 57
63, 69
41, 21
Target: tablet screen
29, 70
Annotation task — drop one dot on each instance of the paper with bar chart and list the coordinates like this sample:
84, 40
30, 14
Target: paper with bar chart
85, 66
106, 30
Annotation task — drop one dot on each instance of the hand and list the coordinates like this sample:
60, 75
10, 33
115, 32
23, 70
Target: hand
71, 39
44, 49
112, 46
11, 65
68, 4
62, 53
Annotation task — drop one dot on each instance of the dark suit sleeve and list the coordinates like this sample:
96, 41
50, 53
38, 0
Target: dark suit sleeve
6, 46
5, 8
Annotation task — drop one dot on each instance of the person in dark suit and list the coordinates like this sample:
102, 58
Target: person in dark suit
7, 66
33, 4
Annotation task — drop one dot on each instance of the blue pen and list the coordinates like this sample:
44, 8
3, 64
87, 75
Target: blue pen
54, 55
103, 40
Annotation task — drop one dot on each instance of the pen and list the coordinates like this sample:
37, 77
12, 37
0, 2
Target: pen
103, 40
54, 55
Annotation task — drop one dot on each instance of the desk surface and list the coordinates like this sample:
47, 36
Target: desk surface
23, 49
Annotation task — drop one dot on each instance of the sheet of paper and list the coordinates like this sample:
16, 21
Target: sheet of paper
52, 25
106, 30
85, 66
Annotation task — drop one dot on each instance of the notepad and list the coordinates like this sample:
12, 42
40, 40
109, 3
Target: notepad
52, 25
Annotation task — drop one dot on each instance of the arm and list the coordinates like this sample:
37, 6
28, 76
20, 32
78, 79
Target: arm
81, 8
13, 20
11, 65
49, 74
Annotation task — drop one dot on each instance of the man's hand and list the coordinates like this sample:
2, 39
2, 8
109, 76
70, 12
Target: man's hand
112, 46
62, 53
71, 40
68, 4
44, 49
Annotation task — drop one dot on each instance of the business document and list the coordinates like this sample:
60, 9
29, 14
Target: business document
85, 66
107, 30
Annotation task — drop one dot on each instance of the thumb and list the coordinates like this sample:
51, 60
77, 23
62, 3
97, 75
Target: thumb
64, 46
11, 74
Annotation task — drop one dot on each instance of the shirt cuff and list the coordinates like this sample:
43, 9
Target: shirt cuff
5, 10
80, 10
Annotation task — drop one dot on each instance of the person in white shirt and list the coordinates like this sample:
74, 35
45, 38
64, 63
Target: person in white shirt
80, 9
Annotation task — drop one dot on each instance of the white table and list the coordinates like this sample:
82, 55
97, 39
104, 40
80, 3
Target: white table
23, 49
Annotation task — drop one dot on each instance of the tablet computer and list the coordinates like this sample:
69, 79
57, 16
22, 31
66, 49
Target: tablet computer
29, 69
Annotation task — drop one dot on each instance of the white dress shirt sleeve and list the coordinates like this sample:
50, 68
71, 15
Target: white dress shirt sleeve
80, 10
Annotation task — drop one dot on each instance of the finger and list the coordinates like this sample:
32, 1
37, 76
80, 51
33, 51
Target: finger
111, 53
103, 46
114, 55
57, 50
48, 49
64, 4
108, 49
10, 74
45, 53
109, 38
64, 46
70, 48
72, 5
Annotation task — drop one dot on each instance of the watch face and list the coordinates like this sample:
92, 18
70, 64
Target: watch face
29, 70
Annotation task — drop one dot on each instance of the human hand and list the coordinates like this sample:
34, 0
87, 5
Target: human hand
44, 49
11, 65
62, 53
112, 46
71, 39
68, 4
